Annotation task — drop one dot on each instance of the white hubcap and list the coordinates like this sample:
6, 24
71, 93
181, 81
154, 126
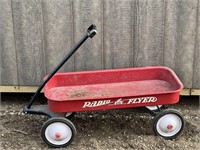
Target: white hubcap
58, 133
169, 125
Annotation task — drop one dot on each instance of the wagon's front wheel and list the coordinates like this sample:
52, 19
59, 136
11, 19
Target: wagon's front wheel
168, 124
58, 132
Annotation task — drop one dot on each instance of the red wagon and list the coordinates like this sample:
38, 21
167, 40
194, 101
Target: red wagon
67, 93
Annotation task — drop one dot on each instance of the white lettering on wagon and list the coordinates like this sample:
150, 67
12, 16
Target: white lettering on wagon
120, 101
142, 100
96, 103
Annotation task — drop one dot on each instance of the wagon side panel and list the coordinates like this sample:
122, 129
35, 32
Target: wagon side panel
114, 103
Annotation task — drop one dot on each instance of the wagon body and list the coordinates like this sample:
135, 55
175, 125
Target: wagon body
111, 89
68, 93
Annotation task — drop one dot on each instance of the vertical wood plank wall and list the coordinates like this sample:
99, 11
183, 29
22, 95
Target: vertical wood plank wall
58, 32
36, 34
196, 80
9, 73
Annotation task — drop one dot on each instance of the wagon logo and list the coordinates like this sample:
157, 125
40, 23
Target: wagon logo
120, 101
96, 103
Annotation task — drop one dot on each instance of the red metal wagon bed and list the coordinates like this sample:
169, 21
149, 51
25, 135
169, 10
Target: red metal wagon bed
110, 89
71, 92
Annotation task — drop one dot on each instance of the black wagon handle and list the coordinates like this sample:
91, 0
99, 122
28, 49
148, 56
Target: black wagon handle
91, 32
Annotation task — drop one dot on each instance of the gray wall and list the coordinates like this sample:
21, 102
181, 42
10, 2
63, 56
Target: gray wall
36, 34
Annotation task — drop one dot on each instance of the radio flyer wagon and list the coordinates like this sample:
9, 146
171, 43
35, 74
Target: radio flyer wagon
67, 93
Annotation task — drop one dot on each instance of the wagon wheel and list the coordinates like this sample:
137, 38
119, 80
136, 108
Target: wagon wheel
58, 132
70, 115
168, 123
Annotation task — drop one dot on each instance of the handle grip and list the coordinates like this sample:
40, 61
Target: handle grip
92, 31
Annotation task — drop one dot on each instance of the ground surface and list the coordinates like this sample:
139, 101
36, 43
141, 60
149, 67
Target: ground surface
115, 129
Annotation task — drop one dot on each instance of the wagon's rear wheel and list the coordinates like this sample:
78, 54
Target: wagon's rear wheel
70, 115
58, 132
168, 123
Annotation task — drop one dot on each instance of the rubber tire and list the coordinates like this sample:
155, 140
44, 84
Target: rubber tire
165, 112
58, 119
71, 115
